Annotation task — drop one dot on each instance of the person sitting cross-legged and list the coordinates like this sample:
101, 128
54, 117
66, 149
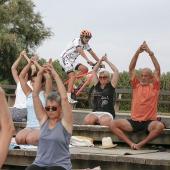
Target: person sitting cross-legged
144, 103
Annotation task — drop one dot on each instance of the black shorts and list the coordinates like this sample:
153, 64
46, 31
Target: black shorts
140, 125
35, 167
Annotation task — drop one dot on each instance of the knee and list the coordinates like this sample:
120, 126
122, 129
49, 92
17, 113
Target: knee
88, 121
105, 122
161, 126
72, 77
84, 70
20, 140
112, 125
31, 140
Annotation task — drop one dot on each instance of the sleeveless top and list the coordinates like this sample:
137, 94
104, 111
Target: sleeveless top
53, 146
20, 100
32, 120
103, 98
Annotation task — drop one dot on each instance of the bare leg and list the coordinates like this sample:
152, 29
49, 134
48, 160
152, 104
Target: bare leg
83, 69
71, 81
118, 126
155, 128
21, 136
104, 120
32, 137
90, 119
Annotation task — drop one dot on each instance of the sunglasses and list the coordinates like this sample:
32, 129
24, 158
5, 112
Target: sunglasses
87, 37
53, 108
104, 77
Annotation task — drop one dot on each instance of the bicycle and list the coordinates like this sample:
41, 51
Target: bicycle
76, 91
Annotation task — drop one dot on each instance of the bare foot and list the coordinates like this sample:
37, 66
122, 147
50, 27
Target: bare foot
135, 146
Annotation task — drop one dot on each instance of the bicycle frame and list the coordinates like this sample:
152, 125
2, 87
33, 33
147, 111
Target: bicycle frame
84, 85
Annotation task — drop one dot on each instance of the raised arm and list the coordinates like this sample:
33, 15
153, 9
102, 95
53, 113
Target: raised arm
48, 82
115, 77
15, 65
93, 55
82, 53
94, 72
33, 67
67, 118
155, 62
134, 60
38, 107
7, 127
26, 89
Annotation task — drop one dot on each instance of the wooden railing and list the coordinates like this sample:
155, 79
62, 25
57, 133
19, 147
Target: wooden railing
120, 99
120, 93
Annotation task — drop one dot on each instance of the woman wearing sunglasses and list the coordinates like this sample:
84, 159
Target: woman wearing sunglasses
104, 89
69, 56
56, 128
29, 135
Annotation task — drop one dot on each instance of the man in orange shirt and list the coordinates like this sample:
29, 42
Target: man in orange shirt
144, 103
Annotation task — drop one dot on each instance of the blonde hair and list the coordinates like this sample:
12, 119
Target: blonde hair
106, 73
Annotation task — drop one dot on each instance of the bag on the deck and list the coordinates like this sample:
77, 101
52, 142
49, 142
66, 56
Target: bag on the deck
81, 141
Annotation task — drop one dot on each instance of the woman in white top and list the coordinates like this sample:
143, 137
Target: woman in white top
19, 111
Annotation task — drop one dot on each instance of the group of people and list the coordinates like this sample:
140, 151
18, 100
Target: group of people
49, 115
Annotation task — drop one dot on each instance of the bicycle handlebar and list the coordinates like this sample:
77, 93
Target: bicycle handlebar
101, 66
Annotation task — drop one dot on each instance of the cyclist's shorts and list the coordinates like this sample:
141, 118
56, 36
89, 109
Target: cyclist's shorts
68, 66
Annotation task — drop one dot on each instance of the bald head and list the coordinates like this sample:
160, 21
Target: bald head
148, 70
145, 76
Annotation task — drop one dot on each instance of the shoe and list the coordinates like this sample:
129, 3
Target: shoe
71, 101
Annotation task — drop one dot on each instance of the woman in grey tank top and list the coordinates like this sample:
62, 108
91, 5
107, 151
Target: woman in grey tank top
56, 128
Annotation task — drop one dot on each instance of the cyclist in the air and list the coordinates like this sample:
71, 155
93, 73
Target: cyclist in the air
69, 56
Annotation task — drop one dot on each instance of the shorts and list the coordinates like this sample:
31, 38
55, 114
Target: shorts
36, 167
100, 114
140, 125
69, 66
32, 128
18, 115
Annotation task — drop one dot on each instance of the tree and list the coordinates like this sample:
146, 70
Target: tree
20, 28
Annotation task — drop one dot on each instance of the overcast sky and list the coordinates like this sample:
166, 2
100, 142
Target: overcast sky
118, 27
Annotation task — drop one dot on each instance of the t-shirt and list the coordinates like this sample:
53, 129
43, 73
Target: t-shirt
145, 100
103, 98
71, 52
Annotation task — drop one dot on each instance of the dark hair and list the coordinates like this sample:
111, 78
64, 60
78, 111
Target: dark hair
35, 75
29, 72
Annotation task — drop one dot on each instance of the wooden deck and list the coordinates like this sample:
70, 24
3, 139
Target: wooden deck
107, 159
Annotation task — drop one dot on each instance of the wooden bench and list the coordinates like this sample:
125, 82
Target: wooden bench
121, 92
10, 96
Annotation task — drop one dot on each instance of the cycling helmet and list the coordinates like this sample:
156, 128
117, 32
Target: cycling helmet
85, 33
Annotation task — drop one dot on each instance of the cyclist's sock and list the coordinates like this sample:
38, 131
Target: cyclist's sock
69, 96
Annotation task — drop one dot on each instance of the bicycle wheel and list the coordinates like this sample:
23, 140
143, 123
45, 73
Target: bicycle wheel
91, 97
